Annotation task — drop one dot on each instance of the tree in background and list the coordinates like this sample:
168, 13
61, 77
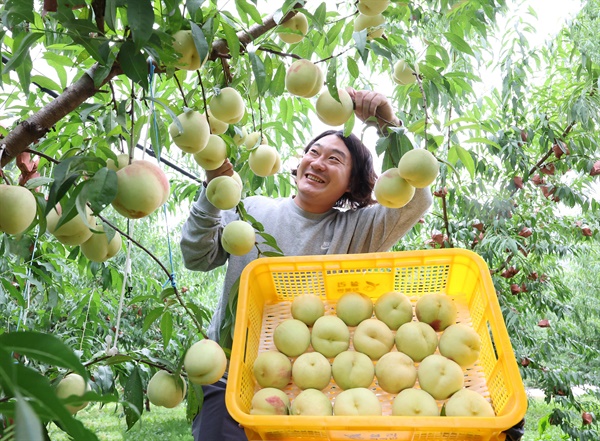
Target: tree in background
87, 81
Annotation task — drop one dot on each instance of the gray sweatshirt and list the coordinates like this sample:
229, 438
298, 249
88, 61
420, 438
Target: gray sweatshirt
297, 232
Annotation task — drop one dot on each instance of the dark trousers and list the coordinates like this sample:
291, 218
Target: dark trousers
214, 423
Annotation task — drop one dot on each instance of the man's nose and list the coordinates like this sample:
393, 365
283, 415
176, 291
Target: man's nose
319, 163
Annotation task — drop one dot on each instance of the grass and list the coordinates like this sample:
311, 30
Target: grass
536, 410
170, 424
108, 424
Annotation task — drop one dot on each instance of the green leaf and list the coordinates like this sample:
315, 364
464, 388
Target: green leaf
110, 13
140, 16
22, 51
331, 79
193, 6
277, 86
349, 125
194, 401
151, 317
233, 42
19, 11
134, 394
249, 9
199, 40
465, 157
458, 43
45, 83
28, 425
167, 292
100, 190
352, 67
43, 347
166, 327
258, 69
32, 384
269, 240
13, 292
134, 64
360, 41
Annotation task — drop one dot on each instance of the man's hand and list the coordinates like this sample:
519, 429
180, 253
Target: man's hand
225, 170
368, 103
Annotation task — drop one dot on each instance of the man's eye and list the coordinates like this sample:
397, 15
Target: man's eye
333, 158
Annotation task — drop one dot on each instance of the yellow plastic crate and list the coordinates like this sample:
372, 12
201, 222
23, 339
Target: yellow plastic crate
267, 287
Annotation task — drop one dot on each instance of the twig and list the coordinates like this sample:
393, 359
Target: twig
226, 70
334, 56
43, 155
281, 54
180, 90
420, 83
139, 360
446, 221
203, 96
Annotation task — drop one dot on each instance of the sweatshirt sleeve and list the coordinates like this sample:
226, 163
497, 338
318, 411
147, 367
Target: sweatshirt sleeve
380, 228
200, 242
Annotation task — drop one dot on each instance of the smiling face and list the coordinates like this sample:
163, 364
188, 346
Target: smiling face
323, 174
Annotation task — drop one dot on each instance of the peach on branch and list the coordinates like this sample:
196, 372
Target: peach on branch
72, 384
391, 190
403, 74
183, 44
372, 7
264, 160
217, 127
18, 208
228, 105
333, 112
142, 187
213, 155
253, 139
73, 232
122, 161
304, 78
294, 29
98, 249
238, 238
205, 362
372, 23
223, 192
166, 389
419, 167
196, 131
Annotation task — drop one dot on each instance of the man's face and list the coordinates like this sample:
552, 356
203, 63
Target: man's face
323, 175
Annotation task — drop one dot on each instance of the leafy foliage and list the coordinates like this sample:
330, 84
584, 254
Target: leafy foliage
82, 82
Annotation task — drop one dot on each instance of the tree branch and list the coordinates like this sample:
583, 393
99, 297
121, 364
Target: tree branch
36, 126
32, 129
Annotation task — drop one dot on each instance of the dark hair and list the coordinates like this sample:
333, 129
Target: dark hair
362, 176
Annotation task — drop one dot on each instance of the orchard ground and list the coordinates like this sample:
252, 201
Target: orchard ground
170, 424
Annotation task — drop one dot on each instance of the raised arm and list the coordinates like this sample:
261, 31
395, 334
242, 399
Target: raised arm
368, 103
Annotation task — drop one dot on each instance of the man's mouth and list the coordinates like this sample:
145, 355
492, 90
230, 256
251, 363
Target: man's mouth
314, 178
